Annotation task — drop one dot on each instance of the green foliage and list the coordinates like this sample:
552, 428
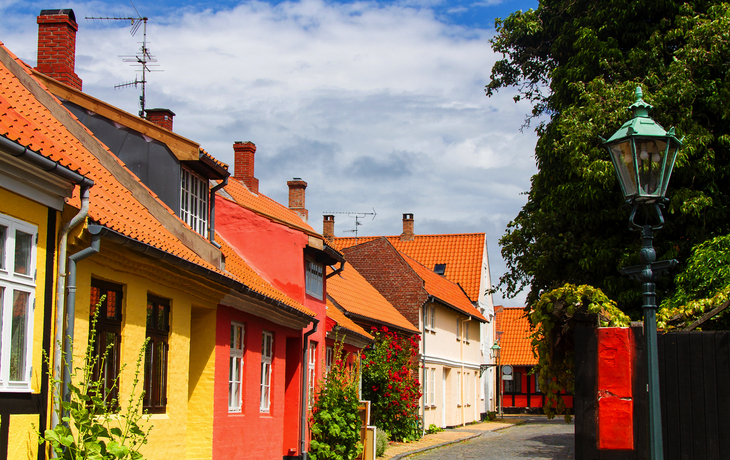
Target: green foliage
703, 285
388, 382
335, 421
553, 320
381, 441
94, 426
432, 429
579, 62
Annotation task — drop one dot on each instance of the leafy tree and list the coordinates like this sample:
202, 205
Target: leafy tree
578, 62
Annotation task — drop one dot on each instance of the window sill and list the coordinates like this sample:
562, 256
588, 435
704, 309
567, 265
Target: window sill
23, 390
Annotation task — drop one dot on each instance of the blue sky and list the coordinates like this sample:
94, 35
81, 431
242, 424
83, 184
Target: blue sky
375, 104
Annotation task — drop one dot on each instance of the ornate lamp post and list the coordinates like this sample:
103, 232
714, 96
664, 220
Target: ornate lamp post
643, 154
496, 352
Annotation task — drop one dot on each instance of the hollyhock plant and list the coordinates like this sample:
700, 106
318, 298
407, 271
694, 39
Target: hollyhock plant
390, 384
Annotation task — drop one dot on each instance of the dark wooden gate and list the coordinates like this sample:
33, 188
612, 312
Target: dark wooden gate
694, 372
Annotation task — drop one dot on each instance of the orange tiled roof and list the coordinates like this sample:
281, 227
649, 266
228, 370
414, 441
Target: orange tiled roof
111, 204
265, 206
245, 274
462, 253
515, 341
213, 159
343, 321
444, 290
355, 295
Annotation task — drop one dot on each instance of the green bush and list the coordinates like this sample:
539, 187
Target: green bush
432, 429
381, 442
390, 365
335, 421
94, 426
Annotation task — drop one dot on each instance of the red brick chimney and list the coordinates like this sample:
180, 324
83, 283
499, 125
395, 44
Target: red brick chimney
328, 227
244, 154
407, 234
57, 46
161, 117
296, 197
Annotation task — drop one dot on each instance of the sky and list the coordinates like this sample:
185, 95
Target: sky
379, 106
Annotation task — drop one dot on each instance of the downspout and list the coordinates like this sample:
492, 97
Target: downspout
61, 295
305, 388
95, 231
211, 233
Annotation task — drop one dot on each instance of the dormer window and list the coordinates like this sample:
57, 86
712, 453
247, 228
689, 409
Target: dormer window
440, 269
314, 279
194, 201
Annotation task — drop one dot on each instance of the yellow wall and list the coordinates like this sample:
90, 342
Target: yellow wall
141, 276
22, 440
202, 383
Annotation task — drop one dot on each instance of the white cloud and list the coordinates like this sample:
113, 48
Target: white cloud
375, 106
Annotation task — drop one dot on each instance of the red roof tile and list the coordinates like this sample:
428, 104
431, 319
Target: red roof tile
444, 290
355, 295
461, 253
515, 341
344, 322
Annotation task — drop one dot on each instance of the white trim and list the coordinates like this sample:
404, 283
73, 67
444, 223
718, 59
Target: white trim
12, 282
267, 353
235, 366
450, 362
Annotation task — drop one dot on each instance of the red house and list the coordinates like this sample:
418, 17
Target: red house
520, 389
266, 366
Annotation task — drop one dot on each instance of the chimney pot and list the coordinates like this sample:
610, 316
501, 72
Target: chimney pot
57, 46
244, 154
328, 226
407, 234
297, 189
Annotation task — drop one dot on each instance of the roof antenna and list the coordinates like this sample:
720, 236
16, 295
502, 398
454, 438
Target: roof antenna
357, 216
141, 59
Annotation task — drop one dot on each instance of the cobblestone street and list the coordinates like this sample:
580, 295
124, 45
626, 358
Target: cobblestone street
536, 439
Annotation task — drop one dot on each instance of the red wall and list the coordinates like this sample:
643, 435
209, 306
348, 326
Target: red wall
276, 252
527, 398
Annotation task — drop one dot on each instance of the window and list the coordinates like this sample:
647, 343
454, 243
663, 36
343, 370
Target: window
430, 317
536, 378
458, 328
314, 280
17, 300
155, 364
514, 385
235, 367
459, 390
267, 352
108, 337
194, 201
426, 394
439, 269
432, 387
329, 358
467, 389
312, 361
466, 331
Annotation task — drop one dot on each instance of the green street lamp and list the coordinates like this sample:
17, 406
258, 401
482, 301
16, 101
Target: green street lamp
496, 353
643, 154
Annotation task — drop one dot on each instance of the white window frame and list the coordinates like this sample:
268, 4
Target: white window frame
235, 366
458, 328
329, 358
10, 283
466, 331
432, 386
458, 389
314, 278
467, 390
194, 192
426, 402
267, 353
430, 318
311, 366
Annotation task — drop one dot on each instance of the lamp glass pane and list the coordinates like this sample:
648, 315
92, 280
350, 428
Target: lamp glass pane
623, 161
668, 165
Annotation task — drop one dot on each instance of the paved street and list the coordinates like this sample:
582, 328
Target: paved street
536, 439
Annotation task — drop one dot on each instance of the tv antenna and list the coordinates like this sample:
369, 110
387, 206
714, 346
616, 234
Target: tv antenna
358, 216
142, 59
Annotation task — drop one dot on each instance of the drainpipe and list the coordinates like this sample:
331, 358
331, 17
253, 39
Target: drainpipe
61, 295
305, 390
95, 231
211, 235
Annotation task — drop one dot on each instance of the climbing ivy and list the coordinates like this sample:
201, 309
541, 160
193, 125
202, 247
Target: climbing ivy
553, 320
